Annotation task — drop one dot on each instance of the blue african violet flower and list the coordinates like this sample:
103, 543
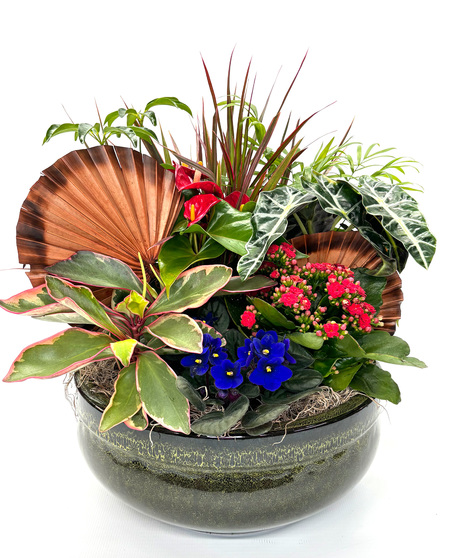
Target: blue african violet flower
245, 354
290, 359
198, 364
270, 373
227, 375
214, 345
265, 344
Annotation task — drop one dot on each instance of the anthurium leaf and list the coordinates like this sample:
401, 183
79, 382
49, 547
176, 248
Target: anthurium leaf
132, 304
123, 351
187, 389
269, 222
176, 255
138, 421
273, 315
237, 285
193, 288
303, 380
229, 227
217, 423
340, 381
125, 401
97, 270
161, 399
59, 354
264, 413
309, 340
178, 331
82, 301
400, 217
376, 382
33, 302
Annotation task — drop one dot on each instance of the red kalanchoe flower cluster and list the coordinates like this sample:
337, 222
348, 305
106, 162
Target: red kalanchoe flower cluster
319, 297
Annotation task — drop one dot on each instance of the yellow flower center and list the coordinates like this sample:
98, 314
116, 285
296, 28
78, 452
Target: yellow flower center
198, 361
269, 369
265, 351
229, 373
192, 212
215, 355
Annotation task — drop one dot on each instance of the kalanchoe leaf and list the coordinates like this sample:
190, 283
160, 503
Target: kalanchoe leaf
274, 316
340, 381
376, 382
309, 340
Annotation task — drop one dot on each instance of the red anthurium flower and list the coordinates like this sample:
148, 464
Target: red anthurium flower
184, 180
233, 198
198, 206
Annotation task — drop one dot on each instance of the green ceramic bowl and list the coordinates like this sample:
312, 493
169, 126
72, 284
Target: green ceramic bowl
237, 484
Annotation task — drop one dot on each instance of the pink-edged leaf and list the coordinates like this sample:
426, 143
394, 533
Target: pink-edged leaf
193, 288
82, 300
139, 421
59, 354
211, 331
161, 399
178, 331
123, 350
125, 401
33, 302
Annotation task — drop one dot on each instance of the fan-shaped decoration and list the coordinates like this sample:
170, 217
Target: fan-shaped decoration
352, 250
110, 200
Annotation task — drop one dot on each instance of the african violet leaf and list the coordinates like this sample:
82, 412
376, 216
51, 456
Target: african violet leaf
217, 423
33, 302
269, 222
187, 389
303, 380
376, 382
82, 301
399, 215
125, 401
177, 254
59, 354
97, 270
265, 413
178, 331
192, 289
161, 399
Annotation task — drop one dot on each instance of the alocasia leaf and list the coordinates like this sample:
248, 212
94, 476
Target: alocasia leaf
269, 222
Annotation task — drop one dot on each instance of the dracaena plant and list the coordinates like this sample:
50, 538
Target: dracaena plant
135, 329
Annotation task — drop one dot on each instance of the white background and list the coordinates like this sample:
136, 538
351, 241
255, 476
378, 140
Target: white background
397, 67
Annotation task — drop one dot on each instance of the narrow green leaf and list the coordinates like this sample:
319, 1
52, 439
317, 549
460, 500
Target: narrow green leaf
273, 315
170, 102
56, 129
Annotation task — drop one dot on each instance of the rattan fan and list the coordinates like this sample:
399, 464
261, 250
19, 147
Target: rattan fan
352, 250
110, 200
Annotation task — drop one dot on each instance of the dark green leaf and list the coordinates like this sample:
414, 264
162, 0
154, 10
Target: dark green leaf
376, 382
192, 395
217, 423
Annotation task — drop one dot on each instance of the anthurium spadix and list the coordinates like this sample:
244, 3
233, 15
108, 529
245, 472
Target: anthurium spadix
135, 332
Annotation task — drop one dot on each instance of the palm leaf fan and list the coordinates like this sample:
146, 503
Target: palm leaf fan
352, 250
110, 200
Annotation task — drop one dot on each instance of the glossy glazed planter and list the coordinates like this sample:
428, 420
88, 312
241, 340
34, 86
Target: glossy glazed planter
237, 484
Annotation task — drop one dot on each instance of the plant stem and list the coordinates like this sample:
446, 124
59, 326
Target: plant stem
301, 225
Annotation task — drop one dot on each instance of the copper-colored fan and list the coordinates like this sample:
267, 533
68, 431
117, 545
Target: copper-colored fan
352, 250
110, 200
